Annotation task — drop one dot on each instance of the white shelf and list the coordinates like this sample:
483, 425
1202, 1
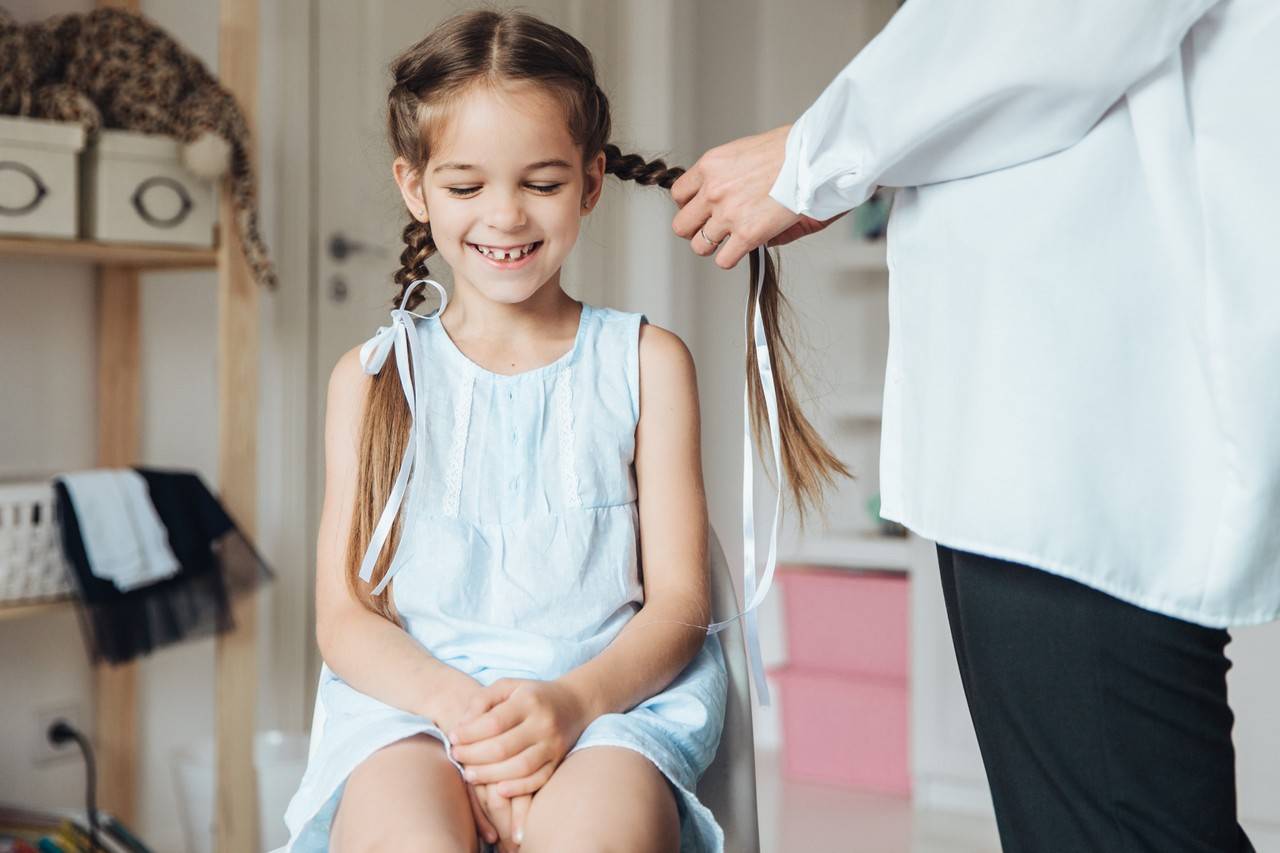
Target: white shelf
853, 551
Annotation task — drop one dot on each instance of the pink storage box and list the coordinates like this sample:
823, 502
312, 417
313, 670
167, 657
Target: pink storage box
846, 622
841, 730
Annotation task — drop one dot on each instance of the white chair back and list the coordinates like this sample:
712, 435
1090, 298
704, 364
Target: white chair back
728, 787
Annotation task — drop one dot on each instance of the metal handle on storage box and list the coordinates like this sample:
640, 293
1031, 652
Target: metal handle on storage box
41, 191
150, 218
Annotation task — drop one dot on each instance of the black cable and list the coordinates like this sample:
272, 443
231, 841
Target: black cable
59, 733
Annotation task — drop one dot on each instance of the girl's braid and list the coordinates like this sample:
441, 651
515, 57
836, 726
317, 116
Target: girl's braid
418, 246
633, 167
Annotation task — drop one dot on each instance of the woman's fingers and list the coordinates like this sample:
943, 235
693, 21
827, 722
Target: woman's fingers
708, 238
732, 251
691, 217
687, 185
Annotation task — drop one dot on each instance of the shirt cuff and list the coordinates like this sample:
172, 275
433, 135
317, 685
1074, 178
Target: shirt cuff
786, 189
842, 185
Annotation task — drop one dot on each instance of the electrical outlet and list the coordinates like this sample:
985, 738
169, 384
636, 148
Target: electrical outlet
42, 750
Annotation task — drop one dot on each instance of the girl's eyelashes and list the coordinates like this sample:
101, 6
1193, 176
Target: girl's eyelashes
541, 189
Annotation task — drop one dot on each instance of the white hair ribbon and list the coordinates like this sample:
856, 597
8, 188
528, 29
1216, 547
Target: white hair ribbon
373, 355
751, 594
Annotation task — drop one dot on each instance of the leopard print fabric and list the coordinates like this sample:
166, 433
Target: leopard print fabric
111, 68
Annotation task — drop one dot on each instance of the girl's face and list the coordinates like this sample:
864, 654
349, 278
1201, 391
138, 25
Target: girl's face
505, 190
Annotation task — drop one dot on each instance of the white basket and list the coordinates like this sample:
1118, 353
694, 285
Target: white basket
32, 565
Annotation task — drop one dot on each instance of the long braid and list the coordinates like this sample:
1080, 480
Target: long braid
633, 167
384, 433
809, 464
418, 246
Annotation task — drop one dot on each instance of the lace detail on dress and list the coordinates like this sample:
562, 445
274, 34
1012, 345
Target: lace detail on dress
564, 414
458, 452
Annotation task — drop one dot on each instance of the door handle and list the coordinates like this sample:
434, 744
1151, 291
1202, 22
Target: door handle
341, 247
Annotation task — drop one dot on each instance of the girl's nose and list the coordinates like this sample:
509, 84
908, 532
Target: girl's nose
506, 212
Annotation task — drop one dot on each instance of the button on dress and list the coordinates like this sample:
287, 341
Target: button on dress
519, 558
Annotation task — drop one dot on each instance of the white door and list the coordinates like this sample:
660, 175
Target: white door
359, 214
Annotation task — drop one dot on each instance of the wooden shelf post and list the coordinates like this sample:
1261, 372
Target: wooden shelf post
119, 409
236, 824
119, 422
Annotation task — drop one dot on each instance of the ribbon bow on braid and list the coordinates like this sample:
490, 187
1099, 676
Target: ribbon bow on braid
373, 355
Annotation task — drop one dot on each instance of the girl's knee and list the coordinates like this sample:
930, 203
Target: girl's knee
604, 802
593, 838
406, 796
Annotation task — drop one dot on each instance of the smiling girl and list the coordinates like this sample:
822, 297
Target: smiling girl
512, 460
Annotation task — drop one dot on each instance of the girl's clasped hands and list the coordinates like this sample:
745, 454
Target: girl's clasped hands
510, 739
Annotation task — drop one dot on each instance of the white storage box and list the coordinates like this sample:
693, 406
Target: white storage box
136, 190
38, 183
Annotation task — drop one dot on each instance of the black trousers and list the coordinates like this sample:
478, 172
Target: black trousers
1104, 728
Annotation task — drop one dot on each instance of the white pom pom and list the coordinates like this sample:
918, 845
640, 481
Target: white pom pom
208, 157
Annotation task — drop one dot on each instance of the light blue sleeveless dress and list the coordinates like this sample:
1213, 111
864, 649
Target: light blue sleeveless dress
519, 559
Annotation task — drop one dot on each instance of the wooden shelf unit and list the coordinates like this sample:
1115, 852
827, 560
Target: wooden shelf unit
119, 417
23, 609
131, 255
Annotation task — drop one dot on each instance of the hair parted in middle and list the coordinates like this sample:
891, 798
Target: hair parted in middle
494, 47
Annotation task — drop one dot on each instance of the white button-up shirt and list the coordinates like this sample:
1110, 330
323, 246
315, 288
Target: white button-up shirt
1084, 357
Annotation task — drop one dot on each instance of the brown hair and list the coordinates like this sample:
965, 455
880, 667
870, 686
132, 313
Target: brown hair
491, 46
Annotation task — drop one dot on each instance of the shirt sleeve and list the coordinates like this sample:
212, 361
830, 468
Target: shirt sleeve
952, 89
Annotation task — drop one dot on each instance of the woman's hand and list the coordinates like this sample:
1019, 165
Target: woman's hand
725, 196
517, 732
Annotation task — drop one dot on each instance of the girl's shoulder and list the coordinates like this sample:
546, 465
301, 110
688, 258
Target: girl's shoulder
611, 320
653, 356
608, 336
650, 345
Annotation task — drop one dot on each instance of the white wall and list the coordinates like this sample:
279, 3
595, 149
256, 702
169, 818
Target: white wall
47, 424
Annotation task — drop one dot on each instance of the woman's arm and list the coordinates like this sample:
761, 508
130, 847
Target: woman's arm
658, 643
371, 654
950, 90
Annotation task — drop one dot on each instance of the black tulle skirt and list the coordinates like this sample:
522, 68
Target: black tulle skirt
218, 564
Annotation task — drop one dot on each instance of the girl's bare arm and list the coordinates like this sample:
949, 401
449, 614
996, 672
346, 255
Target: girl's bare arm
371, 654
658, 643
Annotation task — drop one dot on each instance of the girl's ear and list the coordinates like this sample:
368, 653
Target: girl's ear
594, 183
408, 180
